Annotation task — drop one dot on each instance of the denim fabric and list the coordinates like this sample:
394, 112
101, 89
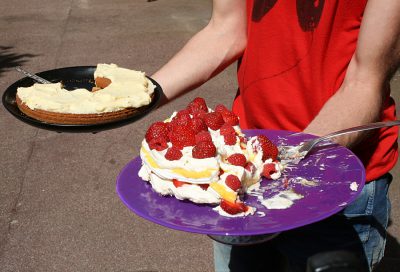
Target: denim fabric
359, 228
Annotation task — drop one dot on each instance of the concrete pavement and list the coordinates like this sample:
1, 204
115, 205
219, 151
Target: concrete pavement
58, 207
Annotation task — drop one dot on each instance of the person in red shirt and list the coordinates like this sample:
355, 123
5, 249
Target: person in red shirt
311, 66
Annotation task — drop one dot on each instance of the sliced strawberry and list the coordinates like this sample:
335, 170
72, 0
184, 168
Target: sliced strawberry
268, 170
173, 154
214, 120
204, 149
233, 182
157, 129
158, 143
243, 139
178, 183
203, 136
243, 142
270, 151
204, 186
250, 167
237, 159
233, 208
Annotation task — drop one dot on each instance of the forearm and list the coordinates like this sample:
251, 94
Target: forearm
212, 49
360, 98
358, 101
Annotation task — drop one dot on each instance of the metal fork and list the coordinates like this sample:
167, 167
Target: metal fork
301, 151
33, 76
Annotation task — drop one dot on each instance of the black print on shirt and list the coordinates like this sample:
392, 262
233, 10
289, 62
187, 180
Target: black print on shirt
260, 8
308, 12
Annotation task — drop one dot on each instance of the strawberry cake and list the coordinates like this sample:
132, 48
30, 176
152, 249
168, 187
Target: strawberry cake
201, 155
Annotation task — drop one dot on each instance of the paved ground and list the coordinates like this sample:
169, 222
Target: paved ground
58, 206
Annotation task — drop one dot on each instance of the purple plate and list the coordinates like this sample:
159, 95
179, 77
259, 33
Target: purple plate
333, 169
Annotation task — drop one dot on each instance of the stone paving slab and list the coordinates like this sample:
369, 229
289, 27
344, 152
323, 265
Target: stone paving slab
58, 207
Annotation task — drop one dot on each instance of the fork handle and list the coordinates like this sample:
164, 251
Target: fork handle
360, 128
33, 76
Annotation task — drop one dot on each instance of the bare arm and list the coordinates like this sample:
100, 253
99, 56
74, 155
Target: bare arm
360, 98
207, 53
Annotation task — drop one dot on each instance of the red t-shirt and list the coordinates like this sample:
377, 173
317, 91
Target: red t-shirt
296, 59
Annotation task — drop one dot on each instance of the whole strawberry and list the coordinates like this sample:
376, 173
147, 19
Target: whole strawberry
157, 129
230, 118
197, 105
237, 159
158, 143
233, 182
203, 136
198, 125
204, 149
201, 102
227, 129
182, 136
173, 153
230, 139
220, 108
214, 120
182, 119
199, 114
183, 114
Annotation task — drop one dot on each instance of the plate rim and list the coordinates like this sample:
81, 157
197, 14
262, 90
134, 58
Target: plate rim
11, 90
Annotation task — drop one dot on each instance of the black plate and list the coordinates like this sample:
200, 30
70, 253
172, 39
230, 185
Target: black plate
72, 78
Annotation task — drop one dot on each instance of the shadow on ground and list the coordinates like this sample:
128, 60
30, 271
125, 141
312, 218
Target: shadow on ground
10, 59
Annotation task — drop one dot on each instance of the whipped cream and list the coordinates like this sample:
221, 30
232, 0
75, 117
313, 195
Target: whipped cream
191, 192
354, 186
128, 89
283, 200
186, 169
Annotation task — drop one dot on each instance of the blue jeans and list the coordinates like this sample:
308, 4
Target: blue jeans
359, 228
